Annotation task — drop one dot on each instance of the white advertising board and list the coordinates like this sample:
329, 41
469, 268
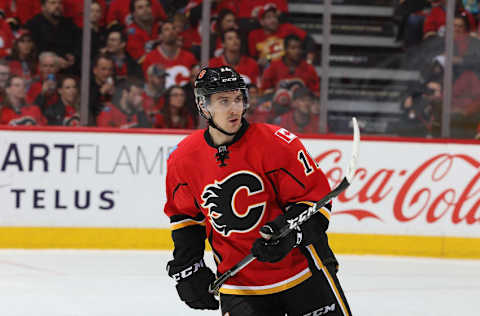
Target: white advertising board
90, 179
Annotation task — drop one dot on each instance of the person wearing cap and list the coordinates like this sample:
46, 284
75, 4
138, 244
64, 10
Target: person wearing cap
154, 91
292, 66
300, 119
266, 43
23, 57
125, 64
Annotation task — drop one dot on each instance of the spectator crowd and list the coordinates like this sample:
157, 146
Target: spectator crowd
145, 55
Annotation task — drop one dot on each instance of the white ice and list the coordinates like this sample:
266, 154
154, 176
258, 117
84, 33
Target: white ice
131, 283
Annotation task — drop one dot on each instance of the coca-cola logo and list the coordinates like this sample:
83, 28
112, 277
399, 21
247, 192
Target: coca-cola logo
428, 192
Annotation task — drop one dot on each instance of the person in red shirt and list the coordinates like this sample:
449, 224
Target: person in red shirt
259, 108
125, 110
246, 66
435, 21
178, 62
65, 112
15, 110
43, 88
73, 9
175, 113
266, 44
239, 184
226, 21
142, 33
291, 67
4, 74
20, 10
120, 11
188, 36
252, 8
300, 119
154, 92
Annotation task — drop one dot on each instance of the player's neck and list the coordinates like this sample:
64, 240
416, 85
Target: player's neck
218, 137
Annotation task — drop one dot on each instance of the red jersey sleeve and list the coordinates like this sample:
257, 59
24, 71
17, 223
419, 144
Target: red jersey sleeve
180, 200
294, 174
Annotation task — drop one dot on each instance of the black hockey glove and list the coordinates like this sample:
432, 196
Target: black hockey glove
268, 250
193, 280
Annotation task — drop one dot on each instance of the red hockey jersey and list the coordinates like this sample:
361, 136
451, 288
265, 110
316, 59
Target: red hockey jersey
278, 71
267, 168
28, 115
178, 67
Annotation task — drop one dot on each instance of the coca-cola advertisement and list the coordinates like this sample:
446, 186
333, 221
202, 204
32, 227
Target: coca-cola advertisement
404, 188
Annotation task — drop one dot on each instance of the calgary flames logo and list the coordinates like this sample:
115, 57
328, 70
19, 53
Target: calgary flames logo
235, 203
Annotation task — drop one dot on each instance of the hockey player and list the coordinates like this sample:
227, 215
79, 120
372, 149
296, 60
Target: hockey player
236, 184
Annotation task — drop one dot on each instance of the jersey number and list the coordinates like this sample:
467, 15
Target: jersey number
302, 157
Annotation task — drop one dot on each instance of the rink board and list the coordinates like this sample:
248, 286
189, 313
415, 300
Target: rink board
104, 189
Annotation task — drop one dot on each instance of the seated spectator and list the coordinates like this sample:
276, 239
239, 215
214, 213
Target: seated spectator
436, 19
51, 31
102, 84
247, 67
19, 10
6, 39
4, 74
300, 119
266, 44
125, 65
15, 110
251, 9
291, 67
178, 62
409, 17
65, 111
142, 33
125, 110
23, 58
226, 21
188, 36
153, 94
175, 113
73, 9
42, 91
120, 11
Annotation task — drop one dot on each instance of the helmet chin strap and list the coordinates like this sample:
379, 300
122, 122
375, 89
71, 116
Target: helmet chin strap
212, 124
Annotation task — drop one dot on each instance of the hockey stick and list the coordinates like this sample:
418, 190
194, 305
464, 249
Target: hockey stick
304, 216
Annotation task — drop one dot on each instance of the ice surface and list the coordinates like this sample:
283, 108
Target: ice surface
131, 283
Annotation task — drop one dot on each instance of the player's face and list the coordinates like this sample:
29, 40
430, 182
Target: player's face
227, 109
